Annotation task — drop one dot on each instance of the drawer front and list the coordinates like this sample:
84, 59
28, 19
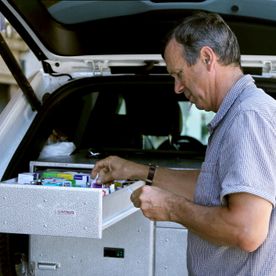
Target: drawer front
62, 211
55, 211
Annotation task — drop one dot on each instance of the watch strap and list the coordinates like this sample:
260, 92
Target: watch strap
151, 173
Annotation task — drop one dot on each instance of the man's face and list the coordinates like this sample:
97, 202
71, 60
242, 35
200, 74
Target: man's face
190, 80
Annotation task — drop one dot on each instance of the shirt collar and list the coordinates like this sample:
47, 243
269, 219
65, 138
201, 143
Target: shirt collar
229, 99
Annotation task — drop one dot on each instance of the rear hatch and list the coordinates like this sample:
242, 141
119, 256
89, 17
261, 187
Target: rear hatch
94, 36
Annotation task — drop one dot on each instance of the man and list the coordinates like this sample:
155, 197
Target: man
227, 206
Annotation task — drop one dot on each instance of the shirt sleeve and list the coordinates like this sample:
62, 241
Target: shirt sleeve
247, 162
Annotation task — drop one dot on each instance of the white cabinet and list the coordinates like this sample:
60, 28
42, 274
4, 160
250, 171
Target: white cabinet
126, 249
79, 231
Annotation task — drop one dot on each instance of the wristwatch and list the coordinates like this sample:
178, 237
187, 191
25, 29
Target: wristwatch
152, 169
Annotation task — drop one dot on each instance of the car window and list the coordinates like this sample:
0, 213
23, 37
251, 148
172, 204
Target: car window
138, 117
194, 123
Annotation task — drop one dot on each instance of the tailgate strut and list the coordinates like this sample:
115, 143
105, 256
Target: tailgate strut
17, 73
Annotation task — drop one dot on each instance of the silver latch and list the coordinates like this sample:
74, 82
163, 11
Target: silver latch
267, 64
269, 68
101, 67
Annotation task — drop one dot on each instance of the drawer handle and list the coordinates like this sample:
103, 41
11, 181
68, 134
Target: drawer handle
48, 266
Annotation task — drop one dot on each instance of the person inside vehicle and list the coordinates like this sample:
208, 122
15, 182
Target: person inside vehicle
228, 205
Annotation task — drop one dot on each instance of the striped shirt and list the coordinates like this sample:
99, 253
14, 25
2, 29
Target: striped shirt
240, 157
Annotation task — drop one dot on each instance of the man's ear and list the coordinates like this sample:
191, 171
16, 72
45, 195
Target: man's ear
206, 54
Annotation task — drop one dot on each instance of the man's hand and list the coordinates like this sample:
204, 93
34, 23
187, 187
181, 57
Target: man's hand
153, 202
114, 167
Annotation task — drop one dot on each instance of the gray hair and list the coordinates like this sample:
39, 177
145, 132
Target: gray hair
206, 29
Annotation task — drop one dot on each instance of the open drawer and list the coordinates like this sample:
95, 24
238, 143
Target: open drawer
62, 211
